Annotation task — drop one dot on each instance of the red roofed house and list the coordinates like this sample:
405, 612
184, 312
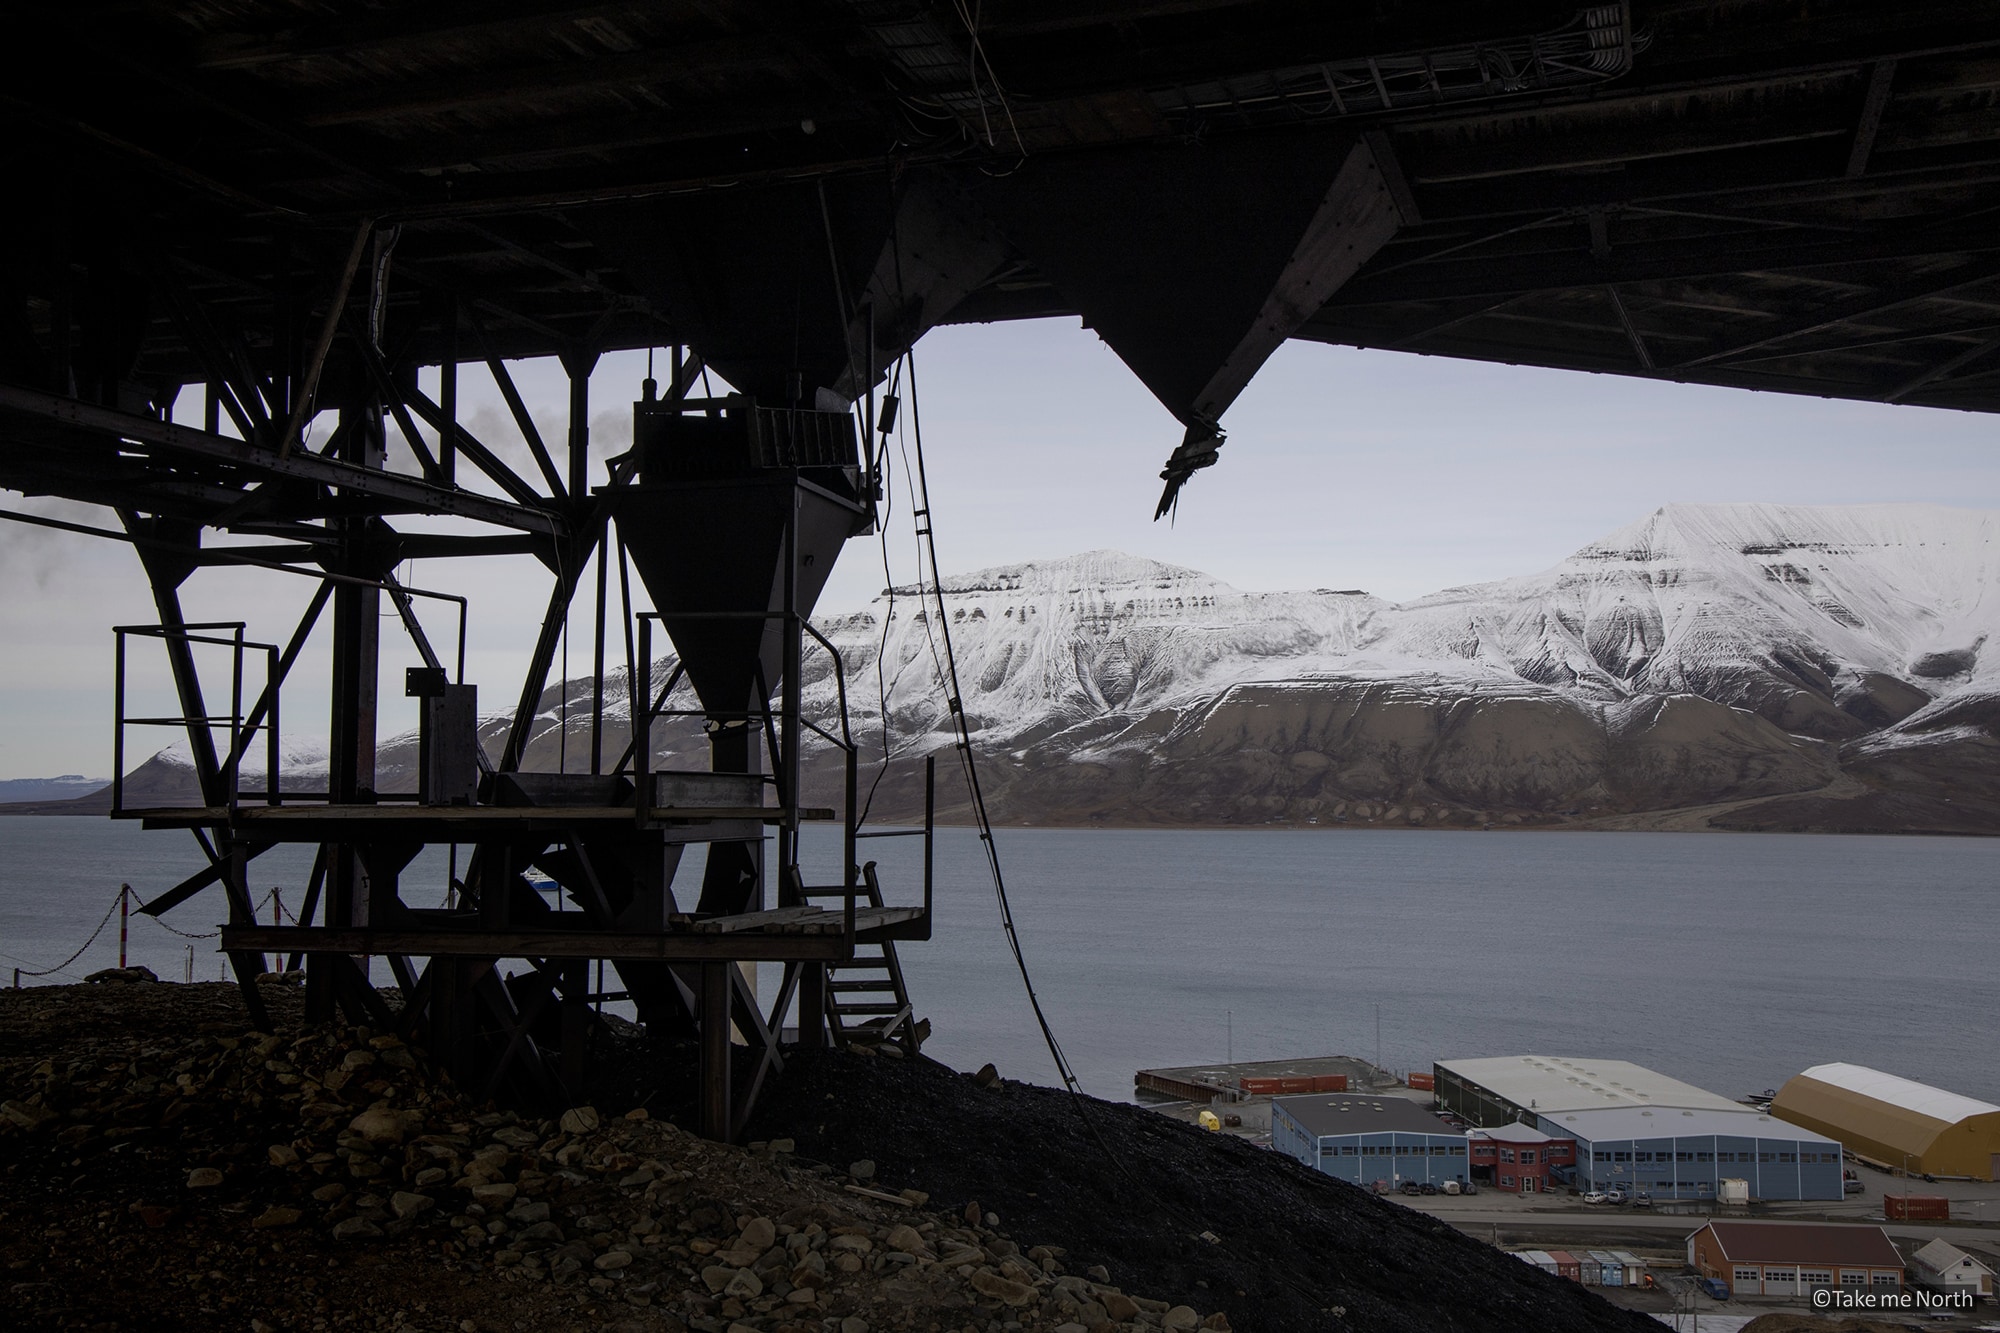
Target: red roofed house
1793, 1258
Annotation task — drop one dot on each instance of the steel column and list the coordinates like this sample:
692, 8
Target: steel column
717, 1102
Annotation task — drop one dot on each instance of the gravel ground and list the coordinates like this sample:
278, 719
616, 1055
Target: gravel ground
164, 1168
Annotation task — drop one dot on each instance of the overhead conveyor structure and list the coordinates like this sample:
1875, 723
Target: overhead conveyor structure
252, 249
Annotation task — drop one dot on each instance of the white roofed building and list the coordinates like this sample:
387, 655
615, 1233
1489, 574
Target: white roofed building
1640, 1130
1942, 1266
1497, 1089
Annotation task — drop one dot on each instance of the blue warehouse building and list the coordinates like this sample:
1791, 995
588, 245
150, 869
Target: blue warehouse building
1363, 1140
1674, 1153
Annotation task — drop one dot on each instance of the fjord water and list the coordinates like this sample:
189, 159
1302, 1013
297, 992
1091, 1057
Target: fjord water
1732, 961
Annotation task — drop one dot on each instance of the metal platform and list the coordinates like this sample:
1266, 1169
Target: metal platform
307, 823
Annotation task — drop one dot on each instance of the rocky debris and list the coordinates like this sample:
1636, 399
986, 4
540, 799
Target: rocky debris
122, 974
249, 1165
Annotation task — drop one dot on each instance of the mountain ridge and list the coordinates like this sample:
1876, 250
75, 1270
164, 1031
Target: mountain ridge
1720, 666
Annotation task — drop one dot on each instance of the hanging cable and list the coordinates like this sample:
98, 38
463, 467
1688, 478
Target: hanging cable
941, 646
948, 677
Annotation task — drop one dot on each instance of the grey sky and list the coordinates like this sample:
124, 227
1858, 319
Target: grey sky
1391, 472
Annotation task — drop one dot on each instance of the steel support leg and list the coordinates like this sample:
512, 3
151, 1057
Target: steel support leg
812, 1005
717, 1102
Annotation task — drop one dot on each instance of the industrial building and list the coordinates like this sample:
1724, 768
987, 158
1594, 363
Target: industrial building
1519, 1158
1795, 1258
1895, 1122
1637, 1129
1506, 1089
1365, 1140
1674, 1153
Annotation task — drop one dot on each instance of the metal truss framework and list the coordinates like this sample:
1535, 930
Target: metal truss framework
305, 212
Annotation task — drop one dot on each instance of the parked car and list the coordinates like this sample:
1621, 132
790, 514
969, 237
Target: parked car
1429, 1188
1715, 1288
1468, 1187
1644, 1200
1412, 1187
1596, 1196
1614, 1196
1851, 1186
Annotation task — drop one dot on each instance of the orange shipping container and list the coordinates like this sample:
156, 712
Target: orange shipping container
1330, 1083
1426, 1081
1295, 1085
1916, 1207
1259, 1086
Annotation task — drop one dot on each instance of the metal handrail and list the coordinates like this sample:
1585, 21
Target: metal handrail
240, 735
644, 713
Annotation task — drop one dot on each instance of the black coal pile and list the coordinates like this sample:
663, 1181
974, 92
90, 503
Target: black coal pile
1189, 1215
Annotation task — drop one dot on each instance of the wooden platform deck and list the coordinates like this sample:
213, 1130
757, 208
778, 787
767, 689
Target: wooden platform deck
802, 934
447, 823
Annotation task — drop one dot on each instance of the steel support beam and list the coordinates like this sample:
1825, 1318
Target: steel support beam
516, 942
164, 437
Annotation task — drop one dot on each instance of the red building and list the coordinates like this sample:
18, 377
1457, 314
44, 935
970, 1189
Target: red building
1518, 1158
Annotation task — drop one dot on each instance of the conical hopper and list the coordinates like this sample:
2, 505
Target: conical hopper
712, 554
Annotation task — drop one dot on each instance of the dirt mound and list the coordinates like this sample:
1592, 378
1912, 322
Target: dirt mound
1806, 1323
1168, 1208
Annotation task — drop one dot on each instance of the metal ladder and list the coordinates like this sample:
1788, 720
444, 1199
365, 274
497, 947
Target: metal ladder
866, 997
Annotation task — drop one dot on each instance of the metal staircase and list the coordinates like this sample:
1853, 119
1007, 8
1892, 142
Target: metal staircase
866, 998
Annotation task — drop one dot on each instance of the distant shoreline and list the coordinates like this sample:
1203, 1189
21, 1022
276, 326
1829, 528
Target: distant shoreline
1691, 819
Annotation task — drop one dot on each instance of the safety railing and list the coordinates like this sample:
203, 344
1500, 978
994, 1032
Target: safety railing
181, 641
928, 833
647, 709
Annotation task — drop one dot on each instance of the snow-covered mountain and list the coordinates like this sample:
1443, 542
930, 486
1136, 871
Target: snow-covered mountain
1705, 654
1745, 665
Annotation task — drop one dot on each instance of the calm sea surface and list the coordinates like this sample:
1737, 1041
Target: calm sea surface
1729, 961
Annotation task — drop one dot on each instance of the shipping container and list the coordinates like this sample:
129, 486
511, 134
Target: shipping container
1567, 1265
1916, 1207
1330, 1083
1732, 1189
1610, 1269
1295, 1085
1587, 1271
1426, 1082
1259, 1087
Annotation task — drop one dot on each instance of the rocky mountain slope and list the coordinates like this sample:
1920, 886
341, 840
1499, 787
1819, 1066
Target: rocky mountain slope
1742, 666
1796, 667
